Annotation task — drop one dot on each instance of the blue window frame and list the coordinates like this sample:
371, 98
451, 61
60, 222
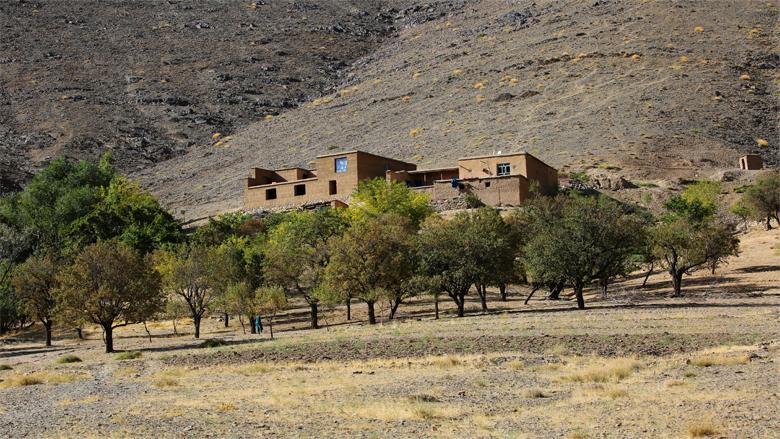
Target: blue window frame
341, 165
503, 169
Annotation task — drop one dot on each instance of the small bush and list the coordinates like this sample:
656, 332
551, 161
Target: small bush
227, 406
213, 343
688, 374
515, 365
30, 380
5, 367
166, 382
578, 433
674, 383
742, 189
616, 392
331, 147
703, 428
424, 410
616, 370
128, 356
472, 200
534, 393
68, 359
609, 167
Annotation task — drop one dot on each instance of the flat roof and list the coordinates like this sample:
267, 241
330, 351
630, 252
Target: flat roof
355, 151
494, 155
424, 171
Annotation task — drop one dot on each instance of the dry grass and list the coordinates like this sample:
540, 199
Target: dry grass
448, 361
702, 428
253, 369
720, 361
515, 365
44, 377
534, 393
166, 382
616, 370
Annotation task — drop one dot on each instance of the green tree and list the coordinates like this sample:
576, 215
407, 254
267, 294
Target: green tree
374, 197
14, 247
270, 301
682, 246
296, 253
494, 246
581, 239
194, 274
35, 282
111, 285
445, 256
124, 211
763, 199
57, 196
372, 260
697, 203
219, 229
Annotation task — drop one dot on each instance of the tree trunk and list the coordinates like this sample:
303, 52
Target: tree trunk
533, 290
271, 328
483, 297
349, 309
196, 321
314, 324
436, 308
80, 334
555, 291
394, 304
227, 320
578, 294
769, 222
649, 272
502, 290
371, 316
241, 320
47, 325
252, 328
677, 283
603, 284
460, 301
174, 327
109, 338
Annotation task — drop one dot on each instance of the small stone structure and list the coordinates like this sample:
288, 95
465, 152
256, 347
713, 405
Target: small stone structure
751, 162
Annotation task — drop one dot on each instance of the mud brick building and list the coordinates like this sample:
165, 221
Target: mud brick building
495, 179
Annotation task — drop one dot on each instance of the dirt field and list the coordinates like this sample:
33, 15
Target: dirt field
636, 364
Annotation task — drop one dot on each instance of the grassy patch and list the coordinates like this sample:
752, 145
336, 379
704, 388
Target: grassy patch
534, 393
166, 382
616, 370
65, 359
720, 361
128, 356
742, 189
702, 428
254, 369
5, 367
448, 361
646, 184
609, 167
213, 343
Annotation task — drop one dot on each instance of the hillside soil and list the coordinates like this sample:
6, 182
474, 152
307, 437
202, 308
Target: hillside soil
634, 364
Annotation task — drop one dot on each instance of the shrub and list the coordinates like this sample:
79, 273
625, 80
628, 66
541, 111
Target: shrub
5, 367
702, 428
646, 184
213, 343
166, 382
331, 147
534, 393
742, 189
68, 359
128, 356
29, 381
472, 200
609, 167
448, 361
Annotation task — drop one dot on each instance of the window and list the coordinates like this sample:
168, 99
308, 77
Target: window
387, 167
341, 165
300, 189
503, 169
487, 184
332, 185
270, 194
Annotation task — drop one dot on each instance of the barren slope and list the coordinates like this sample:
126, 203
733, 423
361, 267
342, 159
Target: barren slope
653, 87
150, 80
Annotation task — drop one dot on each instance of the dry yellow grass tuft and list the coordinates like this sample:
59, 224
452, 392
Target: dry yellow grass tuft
699, 29
762, 142
448, 361
703, 428
615, 370
720, 361
745, 77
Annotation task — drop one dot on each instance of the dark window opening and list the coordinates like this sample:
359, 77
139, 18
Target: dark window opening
461, 187
418, 183
487, 184
332, 185
503, 169
387, 167
270, 194
300, 189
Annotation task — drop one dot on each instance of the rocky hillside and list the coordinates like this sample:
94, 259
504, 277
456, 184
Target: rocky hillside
150, 80
661, 89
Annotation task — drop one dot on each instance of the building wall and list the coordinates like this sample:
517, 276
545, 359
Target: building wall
326, 184
751, 162
423, 177
523, 164
493, 191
